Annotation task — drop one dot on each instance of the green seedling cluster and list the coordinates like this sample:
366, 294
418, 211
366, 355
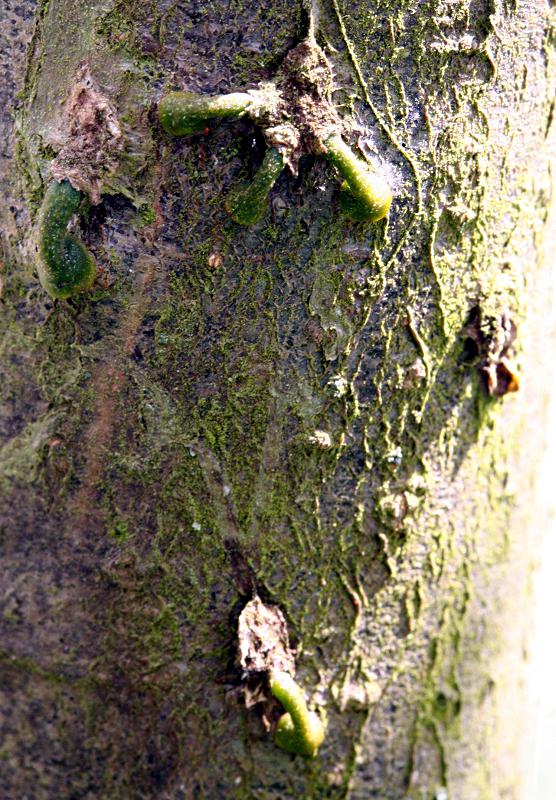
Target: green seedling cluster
364, 195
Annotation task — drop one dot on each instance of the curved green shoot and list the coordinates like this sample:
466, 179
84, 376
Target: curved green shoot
299, 730
65, 266
248, 205
371, 196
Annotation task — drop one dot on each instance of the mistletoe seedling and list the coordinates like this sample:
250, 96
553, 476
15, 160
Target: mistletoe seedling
364, 195
248, 205
181, 113
297, 116
65, 265
299, 730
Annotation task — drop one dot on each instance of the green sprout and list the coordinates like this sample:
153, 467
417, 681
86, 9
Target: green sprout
181, 113
364, 194
299, 730
248, 205
65, 266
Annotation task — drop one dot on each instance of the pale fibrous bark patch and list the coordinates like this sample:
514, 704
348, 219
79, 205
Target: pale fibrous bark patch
263, 648
94, 137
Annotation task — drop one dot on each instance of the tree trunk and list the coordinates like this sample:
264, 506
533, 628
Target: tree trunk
308, 409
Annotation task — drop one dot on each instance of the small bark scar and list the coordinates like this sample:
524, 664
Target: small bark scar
94, 137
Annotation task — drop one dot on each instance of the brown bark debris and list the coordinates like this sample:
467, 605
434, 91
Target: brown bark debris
493, 340
263, 647
94, 137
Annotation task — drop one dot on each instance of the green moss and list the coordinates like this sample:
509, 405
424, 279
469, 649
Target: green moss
146, 215
120, 24
120, 532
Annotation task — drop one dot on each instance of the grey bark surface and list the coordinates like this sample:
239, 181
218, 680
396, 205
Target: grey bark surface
297, 409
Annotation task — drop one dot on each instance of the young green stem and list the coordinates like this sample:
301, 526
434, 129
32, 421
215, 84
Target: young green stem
299, 730
248, 205
181, 113
370, 194
65, 266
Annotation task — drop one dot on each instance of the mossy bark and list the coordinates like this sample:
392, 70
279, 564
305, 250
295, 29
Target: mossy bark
291, 408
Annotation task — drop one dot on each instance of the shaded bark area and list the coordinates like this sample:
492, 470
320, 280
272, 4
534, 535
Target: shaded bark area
162, 451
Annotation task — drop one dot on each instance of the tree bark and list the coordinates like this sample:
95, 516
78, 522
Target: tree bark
298, 409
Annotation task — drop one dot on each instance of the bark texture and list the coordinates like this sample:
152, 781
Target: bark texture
298, 408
